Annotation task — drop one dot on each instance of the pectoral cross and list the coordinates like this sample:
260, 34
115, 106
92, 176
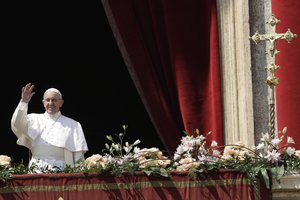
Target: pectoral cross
272, 80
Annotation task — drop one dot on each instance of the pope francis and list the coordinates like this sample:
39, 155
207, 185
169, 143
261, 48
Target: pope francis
54, 140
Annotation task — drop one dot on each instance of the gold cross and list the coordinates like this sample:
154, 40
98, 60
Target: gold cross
272, 80
273, 36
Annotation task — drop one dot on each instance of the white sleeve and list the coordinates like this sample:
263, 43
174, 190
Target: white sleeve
19, 120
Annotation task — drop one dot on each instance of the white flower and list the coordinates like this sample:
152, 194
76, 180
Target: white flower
297, 153
265, 138
290, 151
229, 153
186, 164
151, 157
290, 140
136, 150
116, 147
214, 143
273, 156
96, 160
260, 146
154, 163
136, 142
216, 152
275, 141
127, 149
239, 151
5, 160
180, 151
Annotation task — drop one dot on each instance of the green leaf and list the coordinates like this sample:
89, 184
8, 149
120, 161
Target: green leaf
147, 172
277, 172
163, 172
265, 177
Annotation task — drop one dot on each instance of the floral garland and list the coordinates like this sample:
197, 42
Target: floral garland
268, 159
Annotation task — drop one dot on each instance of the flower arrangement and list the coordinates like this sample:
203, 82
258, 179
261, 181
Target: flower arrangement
5, 162
7, 168
192, 152
122, 158
269, 159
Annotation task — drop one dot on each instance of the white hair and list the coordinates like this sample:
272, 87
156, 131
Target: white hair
53, 90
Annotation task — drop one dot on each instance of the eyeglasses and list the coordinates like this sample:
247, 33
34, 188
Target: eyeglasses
52, 100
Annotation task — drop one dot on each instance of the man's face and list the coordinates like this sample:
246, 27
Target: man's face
52, 102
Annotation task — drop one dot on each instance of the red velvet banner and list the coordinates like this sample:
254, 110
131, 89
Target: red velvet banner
219, 185
288, 90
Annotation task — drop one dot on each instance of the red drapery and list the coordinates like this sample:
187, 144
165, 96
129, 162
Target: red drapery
288, 90
171, 51
226, 185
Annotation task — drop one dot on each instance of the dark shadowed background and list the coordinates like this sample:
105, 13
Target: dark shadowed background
88, 70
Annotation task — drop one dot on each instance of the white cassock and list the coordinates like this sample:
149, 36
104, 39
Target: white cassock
54, 141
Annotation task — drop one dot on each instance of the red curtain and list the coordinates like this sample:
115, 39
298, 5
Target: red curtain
171, 50
288, 90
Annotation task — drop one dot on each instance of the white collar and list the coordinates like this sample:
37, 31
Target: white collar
54, 117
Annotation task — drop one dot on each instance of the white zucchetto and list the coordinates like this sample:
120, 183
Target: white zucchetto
53, 90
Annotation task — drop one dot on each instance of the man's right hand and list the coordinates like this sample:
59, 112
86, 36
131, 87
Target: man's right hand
27, 92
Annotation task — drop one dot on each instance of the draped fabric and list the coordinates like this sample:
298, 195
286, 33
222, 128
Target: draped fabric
78, 186
171, 51
288, 90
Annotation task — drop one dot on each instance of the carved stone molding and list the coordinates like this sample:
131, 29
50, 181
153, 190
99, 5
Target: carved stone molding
288, 188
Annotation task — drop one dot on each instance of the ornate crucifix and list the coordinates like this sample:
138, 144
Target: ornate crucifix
272, 80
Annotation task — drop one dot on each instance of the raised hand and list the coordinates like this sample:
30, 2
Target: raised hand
27, 92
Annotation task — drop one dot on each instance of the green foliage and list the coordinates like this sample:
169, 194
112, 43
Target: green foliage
128, 166
156, 171
6, 171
